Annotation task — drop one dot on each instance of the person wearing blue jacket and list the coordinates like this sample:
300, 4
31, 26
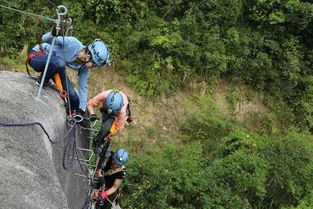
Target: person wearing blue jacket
69, 51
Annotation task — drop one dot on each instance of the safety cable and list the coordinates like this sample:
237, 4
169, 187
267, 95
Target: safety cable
74, 149
66, 151
53, 4
46, 18
66, 80
37, 123
28, 124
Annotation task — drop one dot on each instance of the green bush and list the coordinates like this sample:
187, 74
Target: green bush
165, 178
287, 167
205, 122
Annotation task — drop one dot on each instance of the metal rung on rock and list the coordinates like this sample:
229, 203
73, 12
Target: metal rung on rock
90, 174
80, 175
85, 150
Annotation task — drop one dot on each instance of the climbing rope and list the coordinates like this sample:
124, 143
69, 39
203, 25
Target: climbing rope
46, 18
66, 150
28, 124
72, 129
74, 148
37, 123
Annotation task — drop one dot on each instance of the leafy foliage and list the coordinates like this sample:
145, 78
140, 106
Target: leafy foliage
160, 46
168, 178
206, 124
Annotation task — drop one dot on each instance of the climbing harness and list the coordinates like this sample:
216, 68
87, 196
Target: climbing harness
30, 56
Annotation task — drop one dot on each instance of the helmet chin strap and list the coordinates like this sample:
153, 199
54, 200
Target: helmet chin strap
82, 61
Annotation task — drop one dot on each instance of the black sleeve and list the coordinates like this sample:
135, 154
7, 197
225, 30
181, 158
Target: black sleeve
120, 175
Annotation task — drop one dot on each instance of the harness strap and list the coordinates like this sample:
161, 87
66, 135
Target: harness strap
57, 78
113, 171
34, 54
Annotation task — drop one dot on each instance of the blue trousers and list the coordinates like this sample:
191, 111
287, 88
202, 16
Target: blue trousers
56, 65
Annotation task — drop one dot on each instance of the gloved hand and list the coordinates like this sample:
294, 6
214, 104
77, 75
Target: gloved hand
101, 197
100, 200
97, 150
98, 173
55, 31
110, 137
84, 123
103, 109
93, 118
129, 119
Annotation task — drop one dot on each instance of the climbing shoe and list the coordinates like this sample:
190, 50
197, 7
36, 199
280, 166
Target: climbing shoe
85, 123
97, 150
38, 82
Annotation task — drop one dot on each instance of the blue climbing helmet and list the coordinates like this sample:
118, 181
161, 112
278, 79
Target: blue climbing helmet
99, 52
114, 102
120, 156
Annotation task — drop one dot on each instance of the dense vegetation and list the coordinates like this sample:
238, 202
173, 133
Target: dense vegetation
161, 46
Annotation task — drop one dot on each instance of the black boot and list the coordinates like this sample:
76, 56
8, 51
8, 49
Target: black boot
45, 83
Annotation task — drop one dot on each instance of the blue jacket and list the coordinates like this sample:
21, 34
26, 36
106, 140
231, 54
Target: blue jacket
68, 48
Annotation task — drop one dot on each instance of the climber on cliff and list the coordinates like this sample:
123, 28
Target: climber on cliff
110, 179
115, 111
69, 51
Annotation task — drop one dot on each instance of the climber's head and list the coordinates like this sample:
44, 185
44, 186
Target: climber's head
99, 53
114, 102
120, 156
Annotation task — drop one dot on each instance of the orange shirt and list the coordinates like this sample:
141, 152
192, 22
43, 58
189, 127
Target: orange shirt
121, 116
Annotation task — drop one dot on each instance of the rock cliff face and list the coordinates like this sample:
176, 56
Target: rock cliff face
31, 171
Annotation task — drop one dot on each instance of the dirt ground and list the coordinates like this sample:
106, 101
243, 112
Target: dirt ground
156, 121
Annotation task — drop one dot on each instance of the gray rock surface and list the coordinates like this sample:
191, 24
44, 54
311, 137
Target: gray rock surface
31, 171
